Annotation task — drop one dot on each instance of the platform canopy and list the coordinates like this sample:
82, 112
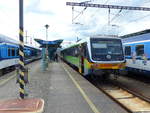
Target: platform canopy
43, 43
50, 45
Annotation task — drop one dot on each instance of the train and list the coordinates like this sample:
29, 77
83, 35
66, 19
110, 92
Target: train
97, 56
9, 53
137, 52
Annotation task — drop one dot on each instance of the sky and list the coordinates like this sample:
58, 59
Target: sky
55, 13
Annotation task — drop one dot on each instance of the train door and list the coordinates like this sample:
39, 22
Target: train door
82, 51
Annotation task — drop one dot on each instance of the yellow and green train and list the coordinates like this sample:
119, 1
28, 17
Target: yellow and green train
97, 55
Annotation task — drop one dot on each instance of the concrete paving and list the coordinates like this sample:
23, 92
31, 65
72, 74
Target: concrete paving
63, 90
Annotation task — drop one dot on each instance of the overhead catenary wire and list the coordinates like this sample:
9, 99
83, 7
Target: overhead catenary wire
135, 20
130, 8
117, 15
98, 9
80, 12
140, 18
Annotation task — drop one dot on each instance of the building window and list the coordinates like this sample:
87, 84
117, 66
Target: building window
127, 50
139, 50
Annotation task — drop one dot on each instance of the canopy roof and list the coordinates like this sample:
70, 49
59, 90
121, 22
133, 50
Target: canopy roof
43, 43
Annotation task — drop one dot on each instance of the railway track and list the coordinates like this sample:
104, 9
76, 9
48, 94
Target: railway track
13, 68
130, 100
11, 74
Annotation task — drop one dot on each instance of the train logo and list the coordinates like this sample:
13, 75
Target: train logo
108, 57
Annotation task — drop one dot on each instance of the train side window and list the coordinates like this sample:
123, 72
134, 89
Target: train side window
9, 51
13, 51
139, 50
73, 51
76, 51
85, 49
128, 50
17, 52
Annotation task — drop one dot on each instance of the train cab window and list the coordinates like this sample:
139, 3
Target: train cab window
139, 50
127, 50
13, 52
9, 51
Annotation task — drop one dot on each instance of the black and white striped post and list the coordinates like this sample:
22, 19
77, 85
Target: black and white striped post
21, 53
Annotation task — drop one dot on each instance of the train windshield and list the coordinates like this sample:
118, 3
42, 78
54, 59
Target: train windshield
106, 49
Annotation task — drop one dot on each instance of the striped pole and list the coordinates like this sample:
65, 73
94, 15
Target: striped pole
21, 53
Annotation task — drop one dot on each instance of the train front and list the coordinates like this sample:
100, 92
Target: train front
107, 56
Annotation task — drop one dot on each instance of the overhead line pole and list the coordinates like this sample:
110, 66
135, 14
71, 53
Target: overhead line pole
108, 6
21, 53
72, 14
109, 16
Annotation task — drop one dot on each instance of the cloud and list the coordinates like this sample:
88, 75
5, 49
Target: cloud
34, 8
92, 21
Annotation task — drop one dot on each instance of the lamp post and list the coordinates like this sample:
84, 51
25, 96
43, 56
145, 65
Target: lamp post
46, 49
46, 26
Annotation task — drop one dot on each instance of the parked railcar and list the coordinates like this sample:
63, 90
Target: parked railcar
137, 52
98, 55
31, 53
9, 53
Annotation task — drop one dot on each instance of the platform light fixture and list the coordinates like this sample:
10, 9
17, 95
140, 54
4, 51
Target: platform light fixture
46, 26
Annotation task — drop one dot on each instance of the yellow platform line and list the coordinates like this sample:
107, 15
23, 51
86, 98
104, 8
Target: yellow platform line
6, 80
90, 103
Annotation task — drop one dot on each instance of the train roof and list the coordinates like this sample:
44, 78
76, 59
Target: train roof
29, 46
88, 38
9, 44
105, 36
16, 45
138, 36
9, 41
136, 33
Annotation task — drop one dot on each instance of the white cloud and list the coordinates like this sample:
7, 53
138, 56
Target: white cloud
55, 13
9, 18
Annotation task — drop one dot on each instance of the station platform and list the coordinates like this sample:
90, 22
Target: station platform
71, 93
63, 90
